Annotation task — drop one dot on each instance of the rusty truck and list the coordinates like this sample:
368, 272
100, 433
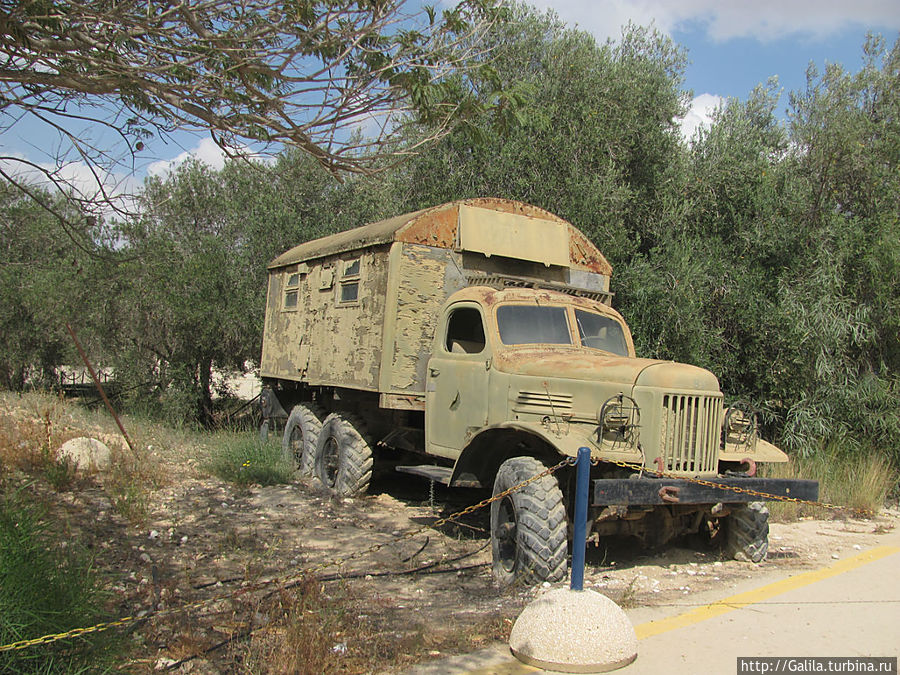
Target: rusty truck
478, 338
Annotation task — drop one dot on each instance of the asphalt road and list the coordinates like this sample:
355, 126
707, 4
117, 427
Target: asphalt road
848, 608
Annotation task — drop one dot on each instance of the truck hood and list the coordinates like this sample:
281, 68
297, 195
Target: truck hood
586, 364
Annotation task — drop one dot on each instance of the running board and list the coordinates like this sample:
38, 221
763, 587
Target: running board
439, 474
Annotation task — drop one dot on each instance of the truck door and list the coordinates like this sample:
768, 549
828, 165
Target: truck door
456, 391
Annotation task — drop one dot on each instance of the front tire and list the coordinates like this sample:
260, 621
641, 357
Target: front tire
344, 455
300, 434
528, 526
747, 533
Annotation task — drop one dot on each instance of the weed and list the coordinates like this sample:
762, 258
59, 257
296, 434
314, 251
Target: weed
130, 476
309, 632
853, 480
59, 471
629, 595
245, 460
45, 588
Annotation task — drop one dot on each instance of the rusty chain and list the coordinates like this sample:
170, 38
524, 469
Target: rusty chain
280, 582
732, 488
285, 581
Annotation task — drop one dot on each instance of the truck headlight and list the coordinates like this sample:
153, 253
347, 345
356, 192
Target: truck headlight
619, 419
740, 425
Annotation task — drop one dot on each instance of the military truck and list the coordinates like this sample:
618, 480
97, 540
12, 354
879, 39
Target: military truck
474, 344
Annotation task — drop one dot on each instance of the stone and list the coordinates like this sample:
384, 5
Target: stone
574, 632
87, 454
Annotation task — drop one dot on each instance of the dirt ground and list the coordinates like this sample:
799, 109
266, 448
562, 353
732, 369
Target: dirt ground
205, 540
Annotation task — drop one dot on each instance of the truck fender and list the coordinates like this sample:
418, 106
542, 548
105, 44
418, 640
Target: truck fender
491, 446
762, 452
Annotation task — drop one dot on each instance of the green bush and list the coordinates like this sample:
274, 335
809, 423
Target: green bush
46, 588
246, 460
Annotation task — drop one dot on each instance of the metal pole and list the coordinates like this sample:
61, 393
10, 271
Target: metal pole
579, 536
100, 387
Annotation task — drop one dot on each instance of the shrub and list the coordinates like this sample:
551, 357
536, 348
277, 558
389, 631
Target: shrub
46, 587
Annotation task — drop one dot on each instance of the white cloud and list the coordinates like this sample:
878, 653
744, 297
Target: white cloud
206, 151
763, 20
700, 114
109, 191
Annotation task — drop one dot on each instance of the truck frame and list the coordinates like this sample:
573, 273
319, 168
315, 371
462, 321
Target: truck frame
480, 335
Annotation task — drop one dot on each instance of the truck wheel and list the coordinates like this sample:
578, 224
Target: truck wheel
747, 533
300, 434
528, 527
344, 455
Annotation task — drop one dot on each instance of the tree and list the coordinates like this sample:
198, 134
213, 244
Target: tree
843, 292
595, 137
187, 297
309, 74
43, 285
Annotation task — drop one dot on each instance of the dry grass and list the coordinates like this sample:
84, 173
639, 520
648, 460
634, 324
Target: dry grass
859, 481
33, 428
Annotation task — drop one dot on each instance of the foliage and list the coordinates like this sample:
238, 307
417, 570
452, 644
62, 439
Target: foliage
32, 285
45, 589
305, 74
852, 480
245, 460
597, 137
764, 251
187, 294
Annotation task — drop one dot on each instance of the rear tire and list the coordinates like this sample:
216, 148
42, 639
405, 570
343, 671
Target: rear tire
747, 533
528, 527
344, 455
300, 434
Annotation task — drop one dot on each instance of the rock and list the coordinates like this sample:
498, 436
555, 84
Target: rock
87, 454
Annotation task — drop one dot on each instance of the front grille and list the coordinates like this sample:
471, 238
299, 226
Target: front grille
543, 403
690, 431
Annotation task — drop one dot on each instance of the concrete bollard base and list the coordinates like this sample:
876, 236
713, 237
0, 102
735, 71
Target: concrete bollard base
574, 632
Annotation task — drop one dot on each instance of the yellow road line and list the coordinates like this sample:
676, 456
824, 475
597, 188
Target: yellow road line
729, 604
740, 600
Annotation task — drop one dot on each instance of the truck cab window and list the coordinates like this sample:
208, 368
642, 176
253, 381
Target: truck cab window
601, 332
465, 332
533, 324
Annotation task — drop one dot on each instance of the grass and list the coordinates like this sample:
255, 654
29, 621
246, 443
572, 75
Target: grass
311, 632
849, 480
47, 586
34, 426
246, 460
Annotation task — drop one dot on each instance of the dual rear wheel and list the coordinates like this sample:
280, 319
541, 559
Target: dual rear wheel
335, 448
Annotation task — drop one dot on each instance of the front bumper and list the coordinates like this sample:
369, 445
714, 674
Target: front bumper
659, 491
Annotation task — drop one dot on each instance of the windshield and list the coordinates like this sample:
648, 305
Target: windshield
530, 324
601, 332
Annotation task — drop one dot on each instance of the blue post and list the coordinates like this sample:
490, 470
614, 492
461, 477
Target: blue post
579, 536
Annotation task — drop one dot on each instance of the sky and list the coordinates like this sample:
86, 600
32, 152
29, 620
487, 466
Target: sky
732, 46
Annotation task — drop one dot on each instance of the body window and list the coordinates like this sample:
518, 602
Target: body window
291, 290
530, 324
601, 332
349, 287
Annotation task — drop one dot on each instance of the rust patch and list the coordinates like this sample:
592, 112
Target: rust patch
436, 227
584, 254
669, 494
